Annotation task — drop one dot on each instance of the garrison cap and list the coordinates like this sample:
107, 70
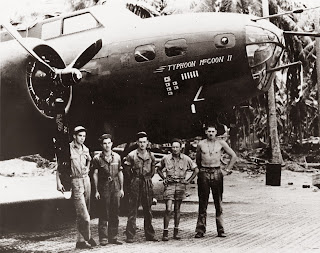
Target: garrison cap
105, 136
176, 140
141, 135
79, 129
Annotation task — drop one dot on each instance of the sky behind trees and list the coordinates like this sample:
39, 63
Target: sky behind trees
14, 8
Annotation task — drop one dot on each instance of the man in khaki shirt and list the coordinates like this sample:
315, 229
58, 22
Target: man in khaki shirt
175, 166
80, 186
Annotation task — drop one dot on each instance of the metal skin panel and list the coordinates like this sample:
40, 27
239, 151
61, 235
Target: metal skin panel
166, 96
23, 129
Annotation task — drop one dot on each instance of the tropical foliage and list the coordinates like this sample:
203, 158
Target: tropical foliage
295, 88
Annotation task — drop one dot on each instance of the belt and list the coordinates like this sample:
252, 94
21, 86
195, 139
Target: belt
142, 177
108, 179
79, 176
209, 169
174, 179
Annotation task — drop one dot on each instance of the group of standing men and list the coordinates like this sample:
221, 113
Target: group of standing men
140, 166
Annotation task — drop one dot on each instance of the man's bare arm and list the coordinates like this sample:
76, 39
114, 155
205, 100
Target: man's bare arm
160, 173
120, 176
198, 155
230, 152
153, 168
59, 184
95, 179
159, 168
195, 172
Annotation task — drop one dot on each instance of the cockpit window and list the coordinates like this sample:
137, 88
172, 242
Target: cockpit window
145, 53
263, 51
258, 34
79, 23
260, 53
51, 29
176, 47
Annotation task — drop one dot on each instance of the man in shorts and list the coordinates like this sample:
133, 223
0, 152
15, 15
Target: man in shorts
175, 166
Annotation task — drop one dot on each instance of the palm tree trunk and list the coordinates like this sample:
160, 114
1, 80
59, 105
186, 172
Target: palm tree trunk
273, 129
317, 26
276, 156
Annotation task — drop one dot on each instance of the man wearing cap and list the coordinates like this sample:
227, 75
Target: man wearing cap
140, 164
175, 166
208, 158
108, 181
80, 186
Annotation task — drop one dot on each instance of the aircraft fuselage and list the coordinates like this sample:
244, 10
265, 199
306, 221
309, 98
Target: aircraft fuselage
164, 75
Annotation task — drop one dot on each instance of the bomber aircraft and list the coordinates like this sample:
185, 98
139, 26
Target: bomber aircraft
165, 75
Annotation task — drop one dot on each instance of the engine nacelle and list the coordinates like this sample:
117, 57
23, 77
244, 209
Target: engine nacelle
28, 97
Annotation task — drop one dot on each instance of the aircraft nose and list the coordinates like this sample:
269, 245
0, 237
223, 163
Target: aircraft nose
264, 48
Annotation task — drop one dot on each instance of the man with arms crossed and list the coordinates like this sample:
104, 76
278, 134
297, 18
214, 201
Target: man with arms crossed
108, 181
80, 186
209, 152
175, 166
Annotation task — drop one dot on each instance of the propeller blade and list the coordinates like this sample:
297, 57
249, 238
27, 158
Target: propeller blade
86, 55
71, 74
13, 32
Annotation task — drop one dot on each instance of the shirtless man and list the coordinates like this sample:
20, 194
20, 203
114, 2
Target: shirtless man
210, 176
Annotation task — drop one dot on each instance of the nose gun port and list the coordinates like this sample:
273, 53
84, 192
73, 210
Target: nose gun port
264, 49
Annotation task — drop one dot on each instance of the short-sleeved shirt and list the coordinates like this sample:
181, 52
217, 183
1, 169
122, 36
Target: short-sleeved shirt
141, 166
176, 168
107, 168
79, 159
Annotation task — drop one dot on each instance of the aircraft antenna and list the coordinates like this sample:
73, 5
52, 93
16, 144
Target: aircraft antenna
285, 13
302, 33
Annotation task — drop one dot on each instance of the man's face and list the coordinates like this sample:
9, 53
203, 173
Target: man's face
106, 144
176, 148
80, 137
211, 132
142, 143
192, 154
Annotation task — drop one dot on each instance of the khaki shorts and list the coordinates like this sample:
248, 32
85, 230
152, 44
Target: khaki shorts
174, 191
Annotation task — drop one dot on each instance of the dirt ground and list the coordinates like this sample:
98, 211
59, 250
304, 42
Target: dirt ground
23, 180
258, 217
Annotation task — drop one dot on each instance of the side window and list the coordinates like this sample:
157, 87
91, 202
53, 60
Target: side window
145, 53
176, 47
51, 29
79, 23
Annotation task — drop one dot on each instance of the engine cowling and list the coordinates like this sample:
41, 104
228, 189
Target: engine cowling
27, 99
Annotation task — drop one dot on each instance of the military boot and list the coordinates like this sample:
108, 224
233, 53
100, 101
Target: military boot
175, 234
165, 235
